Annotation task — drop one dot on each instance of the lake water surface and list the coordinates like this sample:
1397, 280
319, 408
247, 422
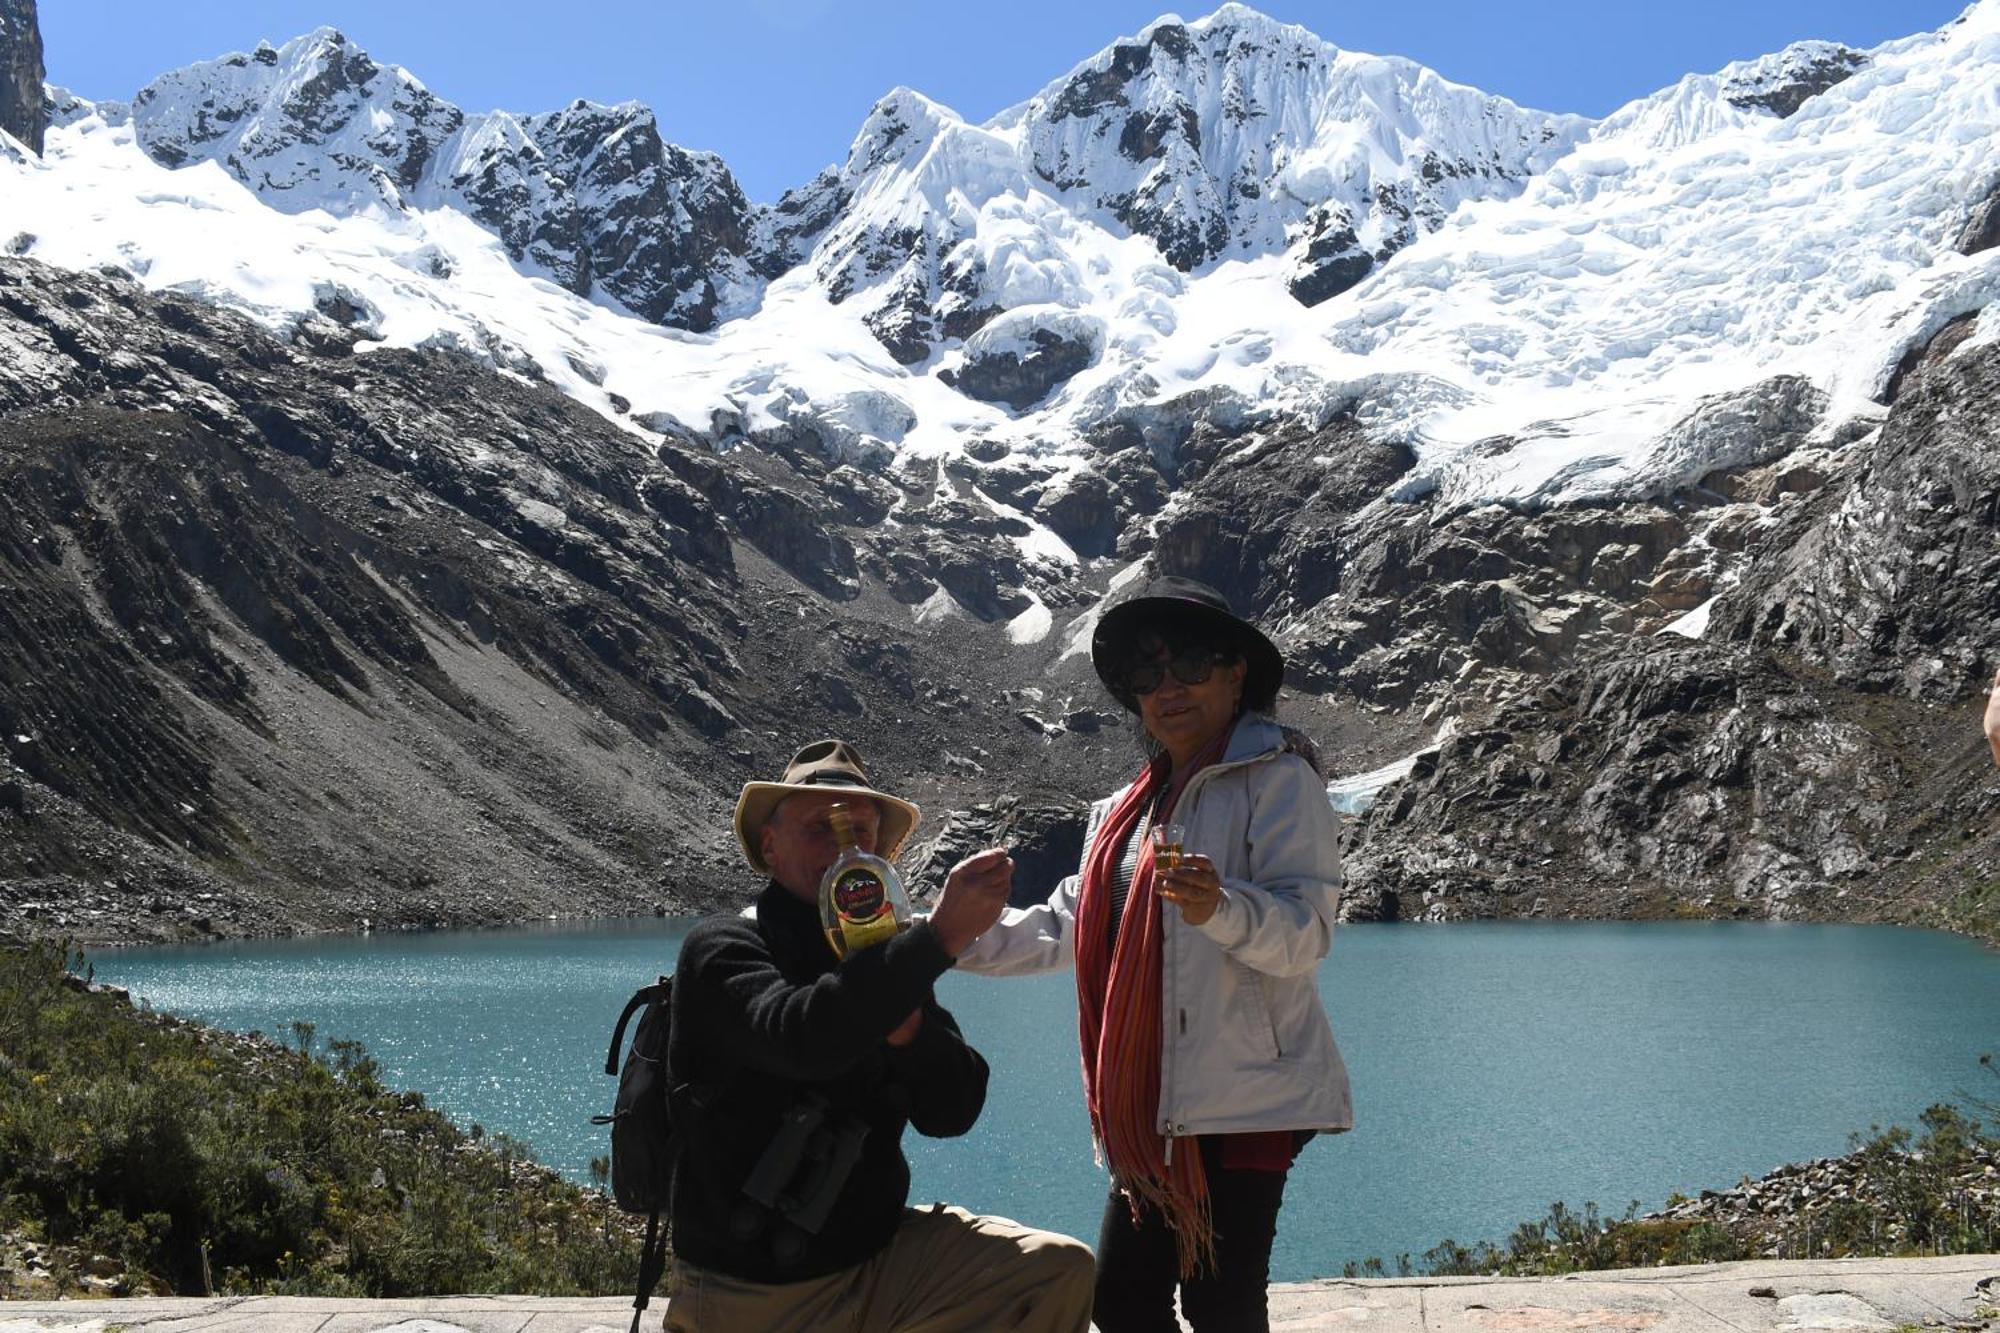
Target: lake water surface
1496, 1066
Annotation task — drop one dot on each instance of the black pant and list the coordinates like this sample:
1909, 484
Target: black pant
1138, 1266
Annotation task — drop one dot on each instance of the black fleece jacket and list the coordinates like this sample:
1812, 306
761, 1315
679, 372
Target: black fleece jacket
763, 1015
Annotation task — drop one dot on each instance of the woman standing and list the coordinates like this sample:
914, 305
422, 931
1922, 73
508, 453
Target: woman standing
1207, 1057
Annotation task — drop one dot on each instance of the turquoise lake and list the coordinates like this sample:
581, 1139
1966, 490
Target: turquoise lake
1496, 1066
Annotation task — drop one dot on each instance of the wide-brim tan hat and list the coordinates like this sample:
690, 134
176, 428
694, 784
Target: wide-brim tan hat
821, 768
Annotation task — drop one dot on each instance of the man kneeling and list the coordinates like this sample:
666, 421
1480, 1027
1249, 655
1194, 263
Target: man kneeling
780, 1044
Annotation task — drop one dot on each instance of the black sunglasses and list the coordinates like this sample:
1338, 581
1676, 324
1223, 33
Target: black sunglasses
1191, 666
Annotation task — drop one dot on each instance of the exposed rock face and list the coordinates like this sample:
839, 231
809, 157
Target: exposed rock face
1188, 135
1782, 83
1045, 841
1927, 356
1019, 363
262, 591
783, 234
1683, 775
1391, 600
781, 521
22, 110
1982, 229
1895, 587
664, 229
1093, 507
1333, 259
1794, 765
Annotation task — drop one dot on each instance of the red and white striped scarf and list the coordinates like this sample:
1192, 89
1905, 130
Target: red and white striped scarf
1118, 995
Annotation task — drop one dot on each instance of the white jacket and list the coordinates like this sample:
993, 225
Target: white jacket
1245, 1043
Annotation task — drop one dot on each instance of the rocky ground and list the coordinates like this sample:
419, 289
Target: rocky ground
1809, 1208
301, 639
1816, 756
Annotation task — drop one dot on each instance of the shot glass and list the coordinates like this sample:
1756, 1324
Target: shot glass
1166, 840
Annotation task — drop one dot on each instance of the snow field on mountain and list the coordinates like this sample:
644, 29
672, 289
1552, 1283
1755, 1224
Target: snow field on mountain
1627, 285
1611, 327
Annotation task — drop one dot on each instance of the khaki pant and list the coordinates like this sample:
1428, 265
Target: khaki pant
944, 1271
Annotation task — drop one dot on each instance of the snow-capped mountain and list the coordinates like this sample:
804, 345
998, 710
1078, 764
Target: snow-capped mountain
1230, 212
1234, 136
1237, 136
1719, 364
1231, 137
590, 196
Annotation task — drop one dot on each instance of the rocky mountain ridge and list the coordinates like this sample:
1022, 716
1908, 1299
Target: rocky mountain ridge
1231, 136
300, 639
1806, 756
556, 635
453, 625
591, 196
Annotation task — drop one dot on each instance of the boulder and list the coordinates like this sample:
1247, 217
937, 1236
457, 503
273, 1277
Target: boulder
1020, 358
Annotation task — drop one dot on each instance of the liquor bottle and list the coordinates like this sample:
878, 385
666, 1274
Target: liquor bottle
861, 897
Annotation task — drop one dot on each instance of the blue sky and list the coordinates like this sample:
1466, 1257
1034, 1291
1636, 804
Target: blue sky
778, 87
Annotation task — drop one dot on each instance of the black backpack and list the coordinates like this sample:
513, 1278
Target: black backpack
645, 1144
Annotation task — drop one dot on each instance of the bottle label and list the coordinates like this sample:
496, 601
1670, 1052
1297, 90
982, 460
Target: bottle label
859, 895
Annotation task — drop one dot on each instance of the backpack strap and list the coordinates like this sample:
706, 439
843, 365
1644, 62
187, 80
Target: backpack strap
652, 1262
644, 996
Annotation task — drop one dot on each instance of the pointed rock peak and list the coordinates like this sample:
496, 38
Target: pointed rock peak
1237, 18
1164, 49
599, 118
901, 125
627, 110
317, 46
912, 107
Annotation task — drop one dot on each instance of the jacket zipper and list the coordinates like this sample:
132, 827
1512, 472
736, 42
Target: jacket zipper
1180, 805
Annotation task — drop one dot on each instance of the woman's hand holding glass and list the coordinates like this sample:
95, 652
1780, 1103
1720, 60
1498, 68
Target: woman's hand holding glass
1186, 879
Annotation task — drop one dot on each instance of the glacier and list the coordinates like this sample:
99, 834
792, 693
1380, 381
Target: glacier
1229, 211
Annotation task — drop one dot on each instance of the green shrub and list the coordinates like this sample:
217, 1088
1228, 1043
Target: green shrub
212, 1163
1906, 1196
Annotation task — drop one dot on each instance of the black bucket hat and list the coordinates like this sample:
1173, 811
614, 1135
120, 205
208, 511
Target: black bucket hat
1181, 608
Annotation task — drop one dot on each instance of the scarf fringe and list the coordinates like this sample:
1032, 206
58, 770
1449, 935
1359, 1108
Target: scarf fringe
1188, 1215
